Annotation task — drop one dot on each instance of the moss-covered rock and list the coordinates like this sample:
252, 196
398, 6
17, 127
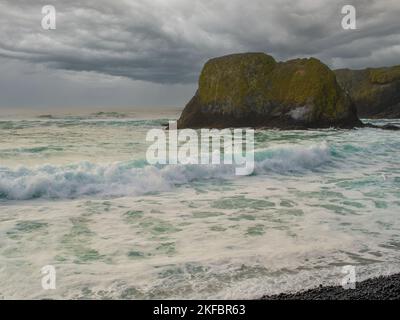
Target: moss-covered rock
375, 92
253, 90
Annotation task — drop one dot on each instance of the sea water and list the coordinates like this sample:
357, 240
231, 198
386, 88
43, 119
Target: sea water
77, 193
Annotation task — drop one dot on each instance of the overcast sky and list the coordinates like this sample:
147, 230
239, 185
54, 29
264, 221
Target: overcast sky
148, 53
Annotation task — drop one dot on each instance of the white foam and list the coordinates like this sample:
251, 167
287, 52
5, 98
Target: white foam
289, 158
120, 179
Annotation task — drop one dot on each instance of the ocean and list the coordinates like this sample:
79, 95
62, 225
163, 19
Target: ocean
77, 193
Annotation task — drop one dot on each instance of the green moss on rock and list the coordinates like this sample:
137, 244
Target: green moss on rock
253, 90
384, 75
230, 80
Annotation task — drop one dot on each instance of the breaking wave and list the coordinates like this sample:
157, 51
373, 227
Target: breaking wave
136, 178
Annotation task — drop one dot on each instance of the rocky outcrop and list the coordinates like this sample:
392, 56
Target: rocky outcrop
375, 92
253, 90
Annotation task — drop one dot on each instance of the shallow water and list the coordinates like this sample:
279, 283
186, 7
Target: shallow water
76, 193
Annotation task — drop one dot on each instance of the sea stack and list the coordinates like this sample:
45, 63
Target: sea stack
253, 90
375, 91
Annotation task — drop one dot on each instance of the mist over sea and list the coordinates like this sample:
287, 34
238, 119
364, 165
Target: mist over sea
77, 193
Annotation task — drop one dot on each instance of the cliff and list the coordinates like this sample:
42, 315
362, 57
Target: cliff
375, 92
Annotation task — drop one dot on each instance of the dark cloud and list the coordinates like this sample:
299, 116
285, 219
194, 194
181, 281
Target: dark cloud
27, 86
167, 41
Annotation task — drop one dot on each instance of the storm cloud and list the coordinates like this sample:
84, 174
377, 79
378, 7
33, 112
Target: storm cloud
165, 42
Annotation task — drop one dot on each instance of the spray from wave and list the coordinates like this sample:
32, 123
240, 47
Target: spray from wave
129, 179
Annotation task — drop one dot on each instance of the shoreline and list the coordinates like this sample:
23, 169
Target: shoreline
380, 288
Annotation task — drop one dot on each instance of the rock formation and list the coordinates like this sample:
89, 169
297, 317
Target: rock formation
253, 90
375, 92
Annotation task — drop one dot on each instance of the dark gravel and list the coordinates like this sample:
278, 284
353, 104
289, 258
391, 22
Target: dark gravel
382, 288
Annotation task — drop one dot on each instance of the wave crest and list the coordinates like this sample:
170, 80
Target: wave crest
125, 179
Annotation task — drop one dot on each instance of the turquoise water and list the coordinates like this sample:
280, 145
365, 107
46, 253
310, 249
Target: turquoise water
77, 193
